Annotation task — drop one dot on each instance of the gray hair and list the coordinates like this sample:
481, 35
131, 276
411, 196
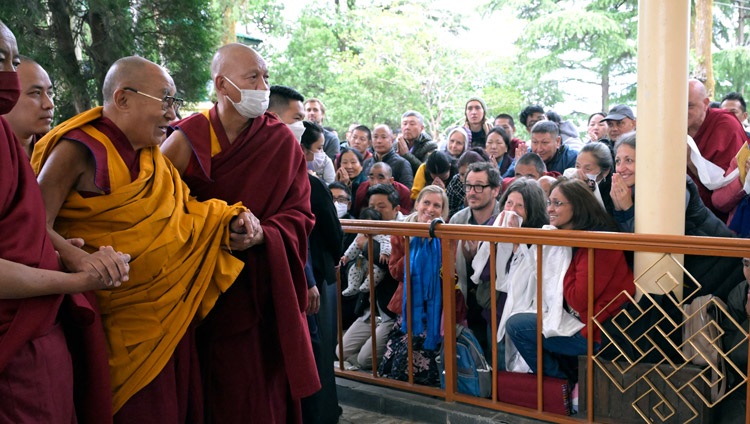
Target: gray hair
414, 113
601, 153
546, 127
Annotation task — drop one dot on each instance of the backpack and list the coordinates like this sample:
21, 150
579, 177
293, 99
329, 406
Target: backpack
474, 373
395, 363
701, 338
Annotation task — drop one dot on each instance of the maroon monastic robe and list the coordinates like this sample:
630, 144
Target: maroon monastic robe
257, 358
719, 139
35, 364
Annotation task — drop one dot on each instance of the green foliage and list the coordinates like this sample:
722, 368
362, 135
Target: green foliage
76, 41
183, 39
586, 42
372, 63
266, 15
732, 69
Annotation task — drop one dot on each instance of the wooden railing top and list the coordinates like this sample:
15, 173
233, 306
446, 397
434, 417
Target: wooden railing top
661, 243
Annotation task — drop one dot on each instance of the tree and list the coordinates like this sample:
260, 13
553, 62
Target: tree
732, 69
702, 36
370, 64
572, 41
78, 40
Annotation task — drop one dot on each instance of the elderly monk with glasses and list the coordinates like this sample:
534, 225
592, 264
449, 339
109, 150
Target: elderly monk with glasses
104, 179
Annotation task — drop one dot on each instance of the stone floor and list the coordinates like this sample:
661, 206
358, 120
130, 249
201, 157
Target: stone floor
354, 415
369, 404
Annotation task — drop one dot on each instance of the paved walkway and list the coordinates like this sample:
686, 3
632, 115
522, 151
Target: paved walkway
369, 404
354, 415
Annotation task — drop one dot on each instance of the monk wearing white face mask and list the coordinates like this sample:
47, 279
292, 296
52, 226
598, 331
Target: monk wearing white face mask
257, 336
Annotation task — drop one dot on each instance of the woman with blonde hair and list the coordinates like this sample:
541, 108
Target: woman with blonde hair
425, 298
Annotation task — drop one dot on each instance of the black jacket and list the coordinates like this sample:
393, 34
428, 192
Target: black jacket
326, 236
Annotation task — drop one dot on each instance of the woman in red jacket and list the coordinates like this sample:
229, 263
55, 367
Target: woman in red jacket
571, 206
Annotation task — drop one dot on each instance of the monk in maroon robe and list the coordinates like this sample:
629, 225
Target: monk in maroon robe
718, 135
37, 379
257, 359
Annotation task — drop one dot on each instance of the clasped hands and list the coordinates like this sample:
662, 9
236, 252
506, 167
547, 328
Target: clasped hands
103, 269
245, 231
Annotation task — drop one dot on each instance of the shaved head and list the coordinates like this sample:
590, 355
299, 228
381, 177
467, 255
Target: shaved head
384, 127
234, 58
384, 168
697, 106
9, 57
697, 89
130, 72
134, 91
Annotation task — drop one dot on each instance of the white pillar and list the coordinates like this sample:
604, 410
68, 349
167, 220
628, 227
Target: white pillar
663, 44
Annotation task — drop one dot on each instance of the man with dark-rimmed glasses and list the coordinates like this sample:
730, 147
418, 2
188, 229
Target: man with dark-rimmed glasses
482, 187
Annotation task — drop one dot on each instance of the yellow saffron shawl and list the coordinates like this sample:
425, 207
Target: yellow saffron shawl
178, 268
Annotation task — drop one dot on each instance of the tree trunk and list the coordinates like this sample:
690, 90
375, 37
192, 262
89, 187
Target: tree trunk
605, 87
702, 37
65, 58
741, 24
229, 22
106, 47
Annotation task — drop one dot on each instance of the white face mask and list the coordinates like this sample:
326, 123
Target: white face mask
592, 176
341, 209
298, 128
253, 103
319, 160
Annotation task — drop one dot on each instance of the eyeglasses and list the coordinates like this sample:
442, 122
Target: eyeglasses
167, 101
341, 199
556, 203
478, 188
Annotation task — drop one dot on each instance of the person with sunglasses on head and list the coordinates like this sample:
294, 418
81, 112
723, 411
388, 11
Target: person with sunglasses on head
104, 180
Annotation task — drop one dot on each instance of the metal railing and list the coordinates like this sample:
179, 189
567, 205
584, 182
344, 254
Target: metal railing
451, 234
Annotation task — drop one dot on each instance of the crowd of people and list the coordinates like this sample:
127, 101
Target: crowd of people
160, 269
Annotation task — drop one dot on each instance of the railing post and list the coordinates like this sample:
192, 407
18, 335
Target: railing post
590, 342
448, 248
409, 300
539, 328
493, 319
339, 318
373, 305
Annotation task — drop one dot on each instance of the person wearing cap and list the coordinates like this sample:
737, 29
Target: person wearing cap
476, 124
620, 120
